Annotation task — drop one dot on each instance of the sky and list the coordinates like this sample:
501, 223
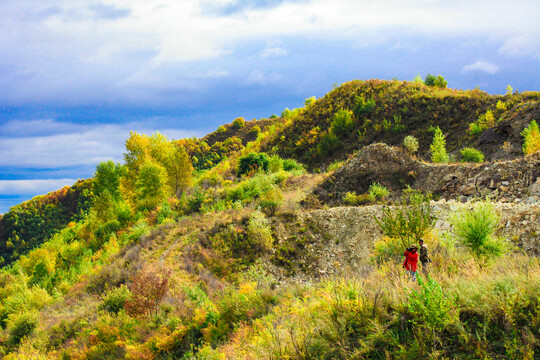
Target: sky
77, 76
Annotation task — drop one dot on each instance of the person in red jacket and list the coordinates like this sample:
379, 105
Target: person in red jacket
411, 261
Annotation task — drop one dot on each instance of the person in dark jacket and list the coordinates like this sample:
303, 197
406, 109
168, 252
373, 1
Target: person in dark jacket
424, 257
411, 261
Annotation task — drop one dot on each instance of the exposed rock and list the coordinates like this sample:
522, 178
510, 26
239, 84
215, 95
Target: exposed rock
395, 169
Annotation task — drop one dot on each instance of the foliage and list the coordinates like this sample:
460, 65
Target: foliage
484, 121
351, 198
363, 106
378, 192
29, 224
114, 300
470, 154
252, 163
148, 288
410, 221
270, 201
342, 123
438, 81
23, 325
151, 186
221, 129
531, 138
431, 308
438, 149
255, 130
259, 231
411, 144
328, 143
336, 164
475, 228
238, 123
107, 179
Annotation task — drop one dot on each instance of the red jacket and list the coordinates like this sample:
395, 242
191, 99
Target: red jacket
411, 260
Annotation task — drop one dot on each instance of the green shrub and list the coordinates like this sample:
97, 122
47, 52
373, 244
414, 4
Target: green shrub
270, 201
292, 165
378, 192
336, 164
24, 325
342, 123
410, 221
438, 150
114, 300
253, 162
430, 308
475, 228
362, 106
238, 123
531, 138
259, 231
351, 198
328, 143
469, 154
411, 144
221, 129
255, 130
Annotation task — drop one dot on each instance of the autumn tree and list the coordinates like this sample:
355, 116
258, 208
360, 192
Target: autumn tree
156, 168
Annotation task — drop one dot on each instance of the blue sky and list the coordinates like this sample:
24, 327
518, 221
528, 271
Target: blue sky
77, 76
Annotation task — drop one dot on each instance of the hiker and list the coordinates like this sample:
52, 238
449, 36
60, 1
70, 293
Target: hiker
424, 257
411, 261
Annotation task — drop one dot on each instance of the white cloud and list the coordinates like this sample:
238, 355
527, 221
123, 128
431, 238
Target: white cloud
33, 187
481, 66
274, 51
521, 46
132, 51
82, 145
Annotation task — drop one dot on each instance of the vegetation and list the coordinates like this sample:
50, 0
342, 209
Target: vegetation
531, 138
411, 144
469, 154
438, 147
186, 249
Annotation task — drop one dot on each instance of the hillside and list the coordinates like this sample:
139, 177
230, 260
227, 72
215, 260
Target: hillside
283, 238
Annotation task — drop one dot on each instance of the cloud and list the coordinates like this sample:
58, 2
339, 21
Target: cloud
33, 187
110, 12
519, 46
481, 66
274, 51
67, 145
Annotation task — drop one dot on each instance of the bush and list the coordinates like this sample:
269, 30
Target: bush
335, 165
531, 138
114, 300
328, 143
351, 198
469, 154
270, 201
378, 192
475, 228
238, 123
148, 290
438, 150
24, 325
253, 162
292, 165
259, 231
411, 144
410, 221
362, 106
255, 130
342, 123
430, 308
221, 129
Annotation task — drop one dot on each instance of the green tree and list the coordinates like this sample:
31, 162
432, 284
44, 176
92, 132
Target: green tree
438, 149
151, 186
107, 178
